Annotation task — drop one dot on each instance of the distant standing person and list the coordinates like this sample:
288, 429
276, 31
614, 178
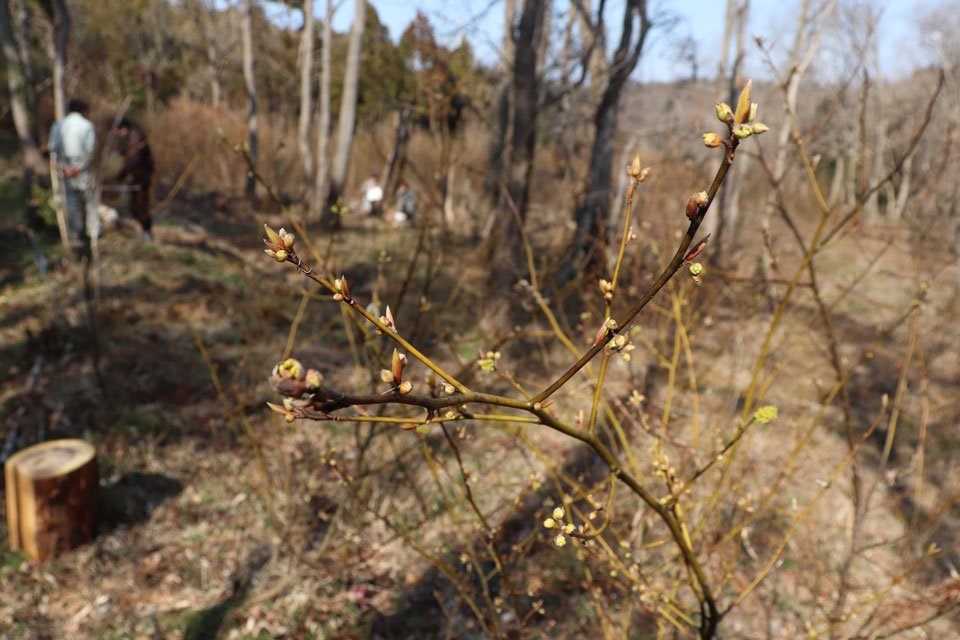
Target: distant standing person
137, 170
74, 140
406, 201
372, 195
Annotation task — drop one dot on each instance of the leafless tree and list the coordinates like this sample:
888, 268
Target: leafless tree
608, 78
806, 42
16, 86
306, 92
504, 237
204, 14
246, 27
59, 34
321, 185
348, 116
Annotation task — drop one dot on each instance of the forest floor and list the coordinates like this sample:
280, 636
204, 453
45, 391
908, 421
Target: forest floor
221, 520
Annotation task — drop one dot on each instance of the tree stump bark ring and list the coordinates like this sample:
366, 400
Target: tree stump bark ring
53, 494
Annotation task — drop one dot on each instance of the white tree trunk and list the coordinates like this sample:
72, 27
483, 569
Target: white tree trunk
208, 13
321, 185
59, 32
348, 107
306, 91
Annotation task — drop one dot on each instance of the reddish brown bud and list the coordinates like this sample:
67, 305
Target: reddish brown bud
693, 253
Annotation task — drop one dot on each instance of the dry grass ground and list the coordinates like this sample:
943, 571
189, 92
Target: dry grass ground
220, 518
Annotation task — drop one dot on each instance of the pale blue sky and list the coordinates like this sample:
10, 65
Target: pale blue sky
482, 23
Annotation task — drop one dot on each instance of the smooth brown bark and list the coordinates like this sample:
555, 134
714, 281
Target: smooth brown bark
246, 27
53, 494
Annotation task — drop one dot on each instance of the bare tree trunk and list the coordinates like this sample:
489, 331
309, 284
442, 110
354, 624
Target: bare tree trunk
897, 203
59, 34
838, 182
21, 33
348, 116
871, 208
449, 212
500, 150
805, 46
504, 242
208, 16
592, 214
321, 185
246, 28
394, 164
16, 87
306, 91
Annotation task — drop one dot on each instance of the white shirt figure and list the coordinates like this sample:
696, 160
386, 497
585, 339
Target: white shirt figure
74, 140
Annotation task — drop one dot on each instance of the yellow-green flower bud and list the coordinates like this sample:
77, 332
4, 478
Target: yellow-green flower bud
549, 523
314, 378
759, 127
291, 368
764, 415
724, 112
696, 268
712, 140
558, 513
742, 131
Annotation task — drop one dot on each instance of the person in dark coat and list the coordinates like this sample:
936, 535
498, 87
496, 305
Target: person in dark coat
137, 171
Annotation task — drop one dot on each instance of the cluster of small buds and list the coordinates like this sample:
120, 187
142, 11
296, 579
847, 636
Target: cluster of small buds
594, 512
634, 171
394, 375
342, 289
301, 388
279, 245
740, 123
556, 522
637, 399
764, 415
387, 319
696, 270
488, 361
662, 469
745, 503
606, 288
621, 344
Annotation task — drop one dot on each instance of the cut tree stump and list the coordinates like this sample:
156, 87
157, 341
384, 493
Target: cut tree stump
53, 496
